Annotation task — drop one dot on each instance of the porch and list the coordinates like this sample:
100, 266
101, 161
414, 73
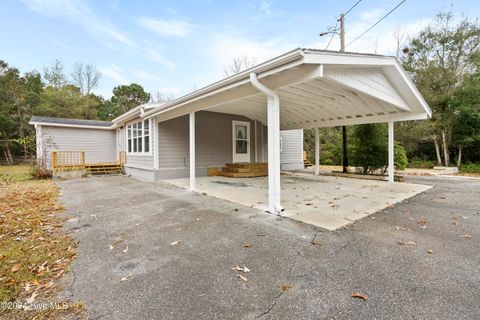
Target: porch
324, 201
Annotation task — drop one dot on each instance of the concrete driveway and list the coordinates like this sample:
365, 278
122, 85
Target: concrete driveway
182, 248
327, 202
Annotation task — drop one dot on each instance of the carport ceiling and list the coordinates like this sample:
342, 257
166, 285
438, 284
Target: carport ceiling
339, 96
316, 89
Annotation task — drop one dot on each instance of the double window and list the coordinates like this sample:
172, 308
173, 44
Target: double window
138, 137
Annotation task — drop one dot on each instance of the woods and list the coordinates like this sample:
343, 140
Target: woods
443, 61
54, 94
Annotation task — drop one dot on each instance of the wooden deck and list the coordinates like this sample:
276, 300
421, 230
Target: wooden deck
63, 161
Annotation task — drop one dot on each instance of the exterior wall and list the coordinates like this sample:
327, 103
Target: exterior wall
98, 144
213, 142
291, 156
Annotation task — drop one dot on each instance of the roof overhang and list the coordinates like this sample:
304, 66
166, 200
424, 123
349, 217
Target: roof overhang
79, 126
316, 89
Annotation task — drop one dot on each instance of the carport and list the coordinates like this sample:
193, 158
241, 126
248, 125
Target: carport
302, 89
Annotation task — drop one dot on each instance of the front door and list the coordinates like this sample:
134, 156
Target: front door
241, 141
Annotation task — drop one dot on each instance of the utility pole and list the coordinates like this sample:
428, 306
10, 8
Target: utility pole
344, 128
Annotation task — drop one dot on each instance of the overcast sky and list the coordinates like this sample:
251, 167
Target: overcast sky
177, 46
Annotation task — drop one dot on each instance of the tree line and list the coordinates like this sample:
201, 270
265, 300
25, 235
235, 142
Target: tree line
53, 93
443, 61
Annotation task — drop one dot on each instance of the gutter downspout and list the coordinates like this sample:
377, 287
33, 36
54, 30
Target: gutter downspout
273, 111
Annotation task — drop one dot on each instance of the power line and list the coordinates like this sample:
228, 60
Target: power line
398, 5
333, 34
352, 7
334, 29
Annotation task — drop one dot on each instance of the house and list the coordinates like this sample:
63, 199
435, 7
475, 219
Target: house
254, 116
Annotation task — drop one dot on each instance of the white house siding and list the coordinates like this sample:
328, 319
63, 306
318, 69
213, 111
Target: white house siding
98, 144
291, 156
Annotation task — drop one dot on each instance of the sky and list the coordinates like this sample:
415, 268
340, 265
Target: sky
174, 47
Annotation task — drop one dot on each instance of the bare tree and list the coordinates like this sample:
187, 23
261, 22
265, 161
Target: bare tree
161, 97
238, 64
401, 37
54, 74
85, 77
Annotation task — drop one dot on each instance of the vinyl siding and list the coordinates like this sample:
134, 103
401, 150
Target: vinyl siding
98, 144
213, 140
291, 156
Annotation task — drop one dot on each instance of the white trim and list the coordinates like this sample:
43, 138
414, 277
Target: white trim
256, 140
154, 146
234, 142
130, 124
317, 151
47, 124
192, 150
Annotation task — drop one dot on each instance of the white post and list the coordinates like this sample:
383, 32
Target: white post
390, 151
192, 151
273, 156
273, 123
317, 151
154, 142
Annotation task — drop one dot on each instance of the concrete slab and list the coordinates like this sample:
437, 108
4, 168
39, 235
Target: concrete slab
327, 202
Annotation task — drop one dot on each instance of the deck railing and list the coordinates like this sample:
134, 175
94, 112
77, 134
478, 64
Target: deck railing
68, 160
75, 160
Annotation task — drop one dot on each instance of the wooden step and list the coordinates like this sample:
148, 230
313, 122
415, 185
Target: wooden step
244, 169
243, 174
246, 165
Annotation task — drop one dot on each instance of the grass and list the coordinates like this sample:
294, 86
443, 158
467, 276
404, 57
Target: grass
34, 250
19, 173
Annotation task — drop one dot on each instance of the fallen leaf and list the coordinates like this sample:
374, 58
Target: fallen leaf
430, 251
241, 277
247, 245
125, 250
27, 286
110, 247
126, 278
359, 295
400, 228
423, 227
175, 242
409, 243
286, 286
466, 236
16, 267
36, 282
316, 242
32, 298
245, 269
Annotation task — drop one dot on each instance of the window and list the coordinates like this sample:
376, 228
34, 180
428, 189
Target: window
138, 137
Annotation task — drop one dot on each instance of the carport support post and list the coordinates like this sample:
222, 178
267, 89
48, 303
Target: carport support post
273, 112
192, 151
390, 151
273, 123
317, 151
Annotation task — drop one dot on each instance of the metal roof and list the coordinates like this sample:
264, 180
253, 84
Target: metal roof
71, 122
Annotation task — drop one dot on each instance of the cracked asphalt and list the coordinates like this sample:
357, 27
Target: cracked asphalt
419, 259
